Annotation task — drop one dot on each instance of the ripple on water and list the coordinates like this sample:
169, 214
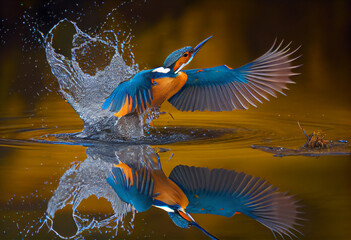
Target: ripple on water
259, 129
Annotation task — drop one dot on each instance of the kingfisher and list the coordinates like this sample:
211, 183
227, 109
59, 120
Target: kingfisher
220, 88
201, 190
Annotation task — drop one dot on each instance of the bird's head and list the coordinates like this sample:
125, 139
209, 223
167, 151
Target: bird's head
184, 220
181, 57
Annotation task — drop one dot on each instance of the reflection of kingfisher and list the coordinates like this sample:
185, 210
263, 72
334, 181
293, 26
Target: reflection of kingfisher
213, 89
199, 190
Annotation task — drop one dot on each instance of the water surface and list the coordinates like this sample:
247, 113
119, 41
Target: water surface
34, 170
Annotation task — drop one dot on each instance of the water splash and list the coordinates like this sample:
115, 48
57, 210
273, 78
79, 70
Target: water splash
89, 179
87, 73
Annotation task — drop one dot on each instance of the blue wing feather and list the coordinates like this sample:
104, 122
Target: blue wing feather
107, 102
224, 89
224, 192
139, 194
139, 87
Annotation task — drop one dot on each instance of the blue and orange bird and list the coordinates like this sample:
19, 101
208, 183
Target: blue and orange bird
200, 190
213, 89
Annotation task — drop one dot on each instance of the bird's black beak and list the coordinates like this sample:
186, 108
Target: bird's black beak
199, 46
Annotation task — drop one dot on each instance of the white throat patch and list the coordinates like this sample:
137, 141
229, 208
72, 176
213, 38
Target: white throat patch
161, 70
184, 64
167, 209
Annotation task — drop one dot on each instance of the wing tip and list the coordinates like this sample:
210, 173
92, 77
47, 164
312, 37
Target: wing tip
284, 214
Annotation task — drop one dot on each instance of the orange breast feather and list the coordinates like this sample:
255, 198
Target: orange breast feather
168, 191
166, 88
161, 91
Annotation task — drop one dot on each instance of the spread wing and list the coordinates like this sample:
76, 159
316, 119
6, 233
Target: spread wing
224, 192
131, 95
224, 89
135, 188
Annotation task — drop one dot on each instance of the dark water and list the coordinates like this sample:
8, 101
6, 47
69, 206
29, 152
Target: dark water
42, 172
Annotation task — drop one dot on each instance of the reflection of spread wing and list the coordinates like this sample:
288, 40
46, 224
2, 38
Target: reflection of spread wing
135, 188
224, 89
131, 95
225, 192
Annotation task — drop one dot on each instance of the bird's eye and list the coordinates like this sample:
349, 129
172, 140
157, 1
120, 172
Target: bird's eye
185, 54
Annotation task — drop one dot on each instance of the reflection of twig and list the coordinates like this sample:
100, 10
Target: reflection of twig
168, 113
171, 115
171, 157
161, 150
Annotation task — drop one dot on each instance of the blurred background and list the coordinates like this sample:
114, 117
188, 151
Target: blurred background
242, 31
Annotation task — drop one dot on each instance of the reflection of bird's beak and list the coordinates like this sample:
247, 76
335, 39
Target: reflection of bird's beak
185, 215
199, 46
192, 222
203, 230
